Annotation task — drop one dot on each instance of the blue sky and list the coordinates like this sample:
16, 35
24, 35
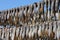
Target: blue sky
8, 4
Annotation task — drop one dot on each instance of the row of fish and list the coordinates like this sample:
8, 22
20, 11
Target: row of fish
27, 14
47, 31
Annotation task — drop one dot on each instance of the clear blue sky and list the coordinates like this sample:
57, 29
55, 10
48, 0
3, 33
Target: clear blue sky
8, 4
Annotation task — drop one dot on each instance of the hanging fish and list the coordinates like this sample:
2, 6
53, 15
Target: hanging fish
3, 33
54, 28
12, 34
58, 31
7, 34
39, 31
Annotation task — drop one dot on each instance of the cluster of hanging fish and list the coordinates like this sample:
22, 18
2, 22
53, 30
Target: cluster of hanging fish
38, 21
47, 10
45, 31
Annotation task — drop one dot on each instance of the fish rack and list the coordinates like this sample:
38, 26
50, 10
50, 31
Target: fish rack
44, 15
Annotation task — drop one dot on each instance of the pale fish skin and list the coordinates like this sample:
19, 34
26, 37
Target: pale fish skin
7, 34
13, 33
2, 33
50, 28
39, 31
55, 29
58, 30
